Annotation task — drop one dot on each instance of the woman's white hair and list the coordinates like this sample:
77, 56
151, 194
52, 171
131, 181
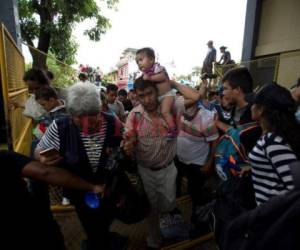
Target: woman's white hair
83, 99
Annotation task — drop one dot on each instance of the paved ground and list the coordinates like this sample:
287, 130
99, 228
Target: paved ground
136, 233
74, 234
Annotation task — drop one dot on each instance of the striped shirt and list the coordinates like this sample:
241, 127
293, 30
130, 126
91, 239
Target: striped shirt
271, 175
93, 143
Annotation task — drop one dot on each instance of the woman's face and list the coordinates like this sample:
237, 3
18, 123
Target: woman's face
87, 123
256, 112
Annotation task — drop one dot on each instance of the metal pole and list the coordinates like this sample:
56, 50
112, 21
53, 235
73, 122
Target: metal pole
9, 16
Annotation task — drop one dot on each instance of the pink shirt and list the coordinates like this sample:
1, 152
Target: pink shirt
155, 69
153, 149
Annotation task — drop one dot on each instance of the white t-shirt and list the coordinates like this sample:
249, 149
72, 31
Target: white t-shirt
192, 149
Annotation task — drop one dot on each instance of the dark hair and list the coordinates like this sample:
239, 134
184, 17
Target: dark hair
279, 110
141, 84
50, 75
212, 94
103, 98
82, 75
45, 93
122, 92
36, 75
111, 87
239, 77
148, 51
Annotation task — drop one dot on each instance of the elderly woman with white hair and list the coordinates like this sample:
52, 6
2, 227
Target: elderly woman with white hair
83, 142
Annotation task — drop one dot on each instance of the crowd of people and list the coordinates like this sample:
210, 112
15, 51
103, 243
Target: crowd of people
218, 140
91, 74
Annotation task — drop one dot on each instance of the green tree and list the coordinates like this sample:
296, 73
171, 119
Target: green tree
50, 22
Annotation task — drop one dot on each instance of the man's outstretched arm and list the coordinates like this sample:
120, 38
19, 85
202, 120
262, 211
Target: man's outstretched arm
59, 177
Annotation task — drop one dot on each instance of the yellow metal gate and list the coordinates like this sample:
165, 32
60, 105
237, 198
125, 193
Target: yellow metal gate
12, 68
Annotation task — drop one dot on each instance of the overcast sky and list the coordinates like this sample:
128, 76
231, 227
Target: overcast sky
177, 30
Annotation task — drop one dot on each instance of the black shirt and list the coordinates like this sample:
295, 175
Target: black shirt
224, 115
127, 105
21, 217
12, 165
250, 137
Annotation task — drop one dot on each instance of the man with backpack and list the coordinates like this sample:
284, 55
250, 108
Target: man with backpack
235, 195
237, 84
275, 176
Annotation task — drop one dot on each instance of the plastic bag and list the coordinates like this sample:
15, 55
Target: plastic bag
33, 109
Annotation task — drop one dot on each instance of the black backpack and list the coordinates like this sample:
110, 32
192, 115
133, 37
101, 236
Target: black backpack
273, 225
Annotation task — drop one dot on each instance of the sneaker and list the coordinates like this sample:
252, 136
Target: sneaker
65, 201
173, 228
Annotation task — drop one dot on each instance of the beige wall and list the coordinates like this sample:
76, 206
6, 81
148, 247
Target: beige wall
279, 28
289, 68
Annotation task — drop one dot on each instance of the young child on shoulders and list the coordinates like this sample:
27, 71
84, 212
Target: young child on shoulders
153, 71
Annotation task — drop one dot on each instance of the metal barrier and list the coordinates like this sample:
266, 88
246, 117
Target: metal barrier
12, 68
262, 70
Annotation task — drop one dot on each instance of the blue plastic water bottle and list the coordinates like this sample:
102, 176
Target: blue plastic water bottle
92, 200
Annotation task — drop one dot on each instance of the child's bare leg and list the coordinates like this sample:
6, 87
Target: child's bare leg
166, 111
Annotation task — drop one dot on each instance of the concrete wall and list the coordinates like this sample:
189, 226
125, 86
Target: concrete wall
279, 28
279, 33
289, 68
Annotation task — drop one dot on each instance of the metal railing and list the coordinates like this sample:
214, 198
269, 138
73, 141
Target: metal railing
12, 67
262, 69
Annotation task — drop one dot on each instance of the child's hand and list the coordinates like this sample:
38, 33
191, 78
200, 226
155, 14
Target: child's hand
146, 77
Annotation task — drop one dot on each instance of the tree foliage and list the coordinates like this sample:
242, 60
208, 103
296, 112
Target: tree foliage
50, 22
64, 75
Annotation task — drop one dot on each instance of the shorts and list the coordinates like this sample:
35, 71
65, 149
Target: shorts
169, 93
